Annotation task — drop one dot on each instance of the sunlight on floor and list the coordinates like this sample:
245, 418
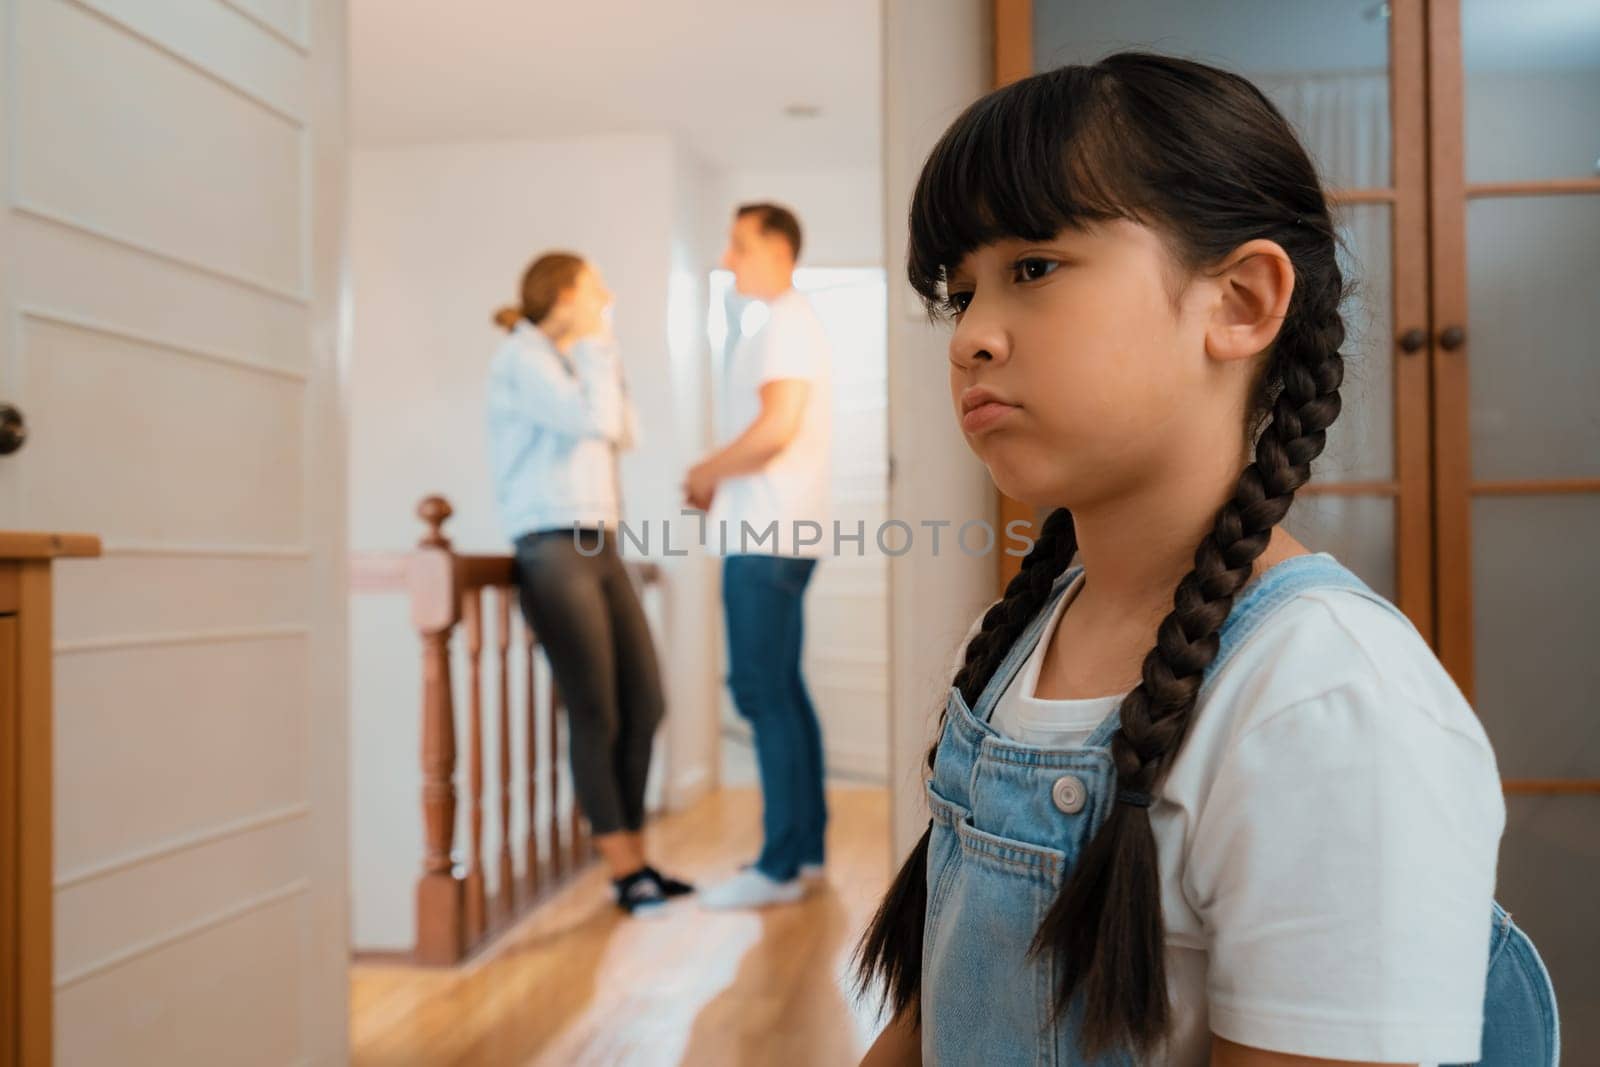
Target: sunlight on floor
578, 983
682, 980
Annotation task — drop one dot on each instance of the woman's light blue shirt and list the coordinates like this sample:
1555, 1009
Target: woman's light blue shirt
556, 423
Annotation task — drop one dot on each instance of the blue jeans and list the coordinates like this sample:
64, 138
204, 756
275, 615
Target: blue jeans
763, 599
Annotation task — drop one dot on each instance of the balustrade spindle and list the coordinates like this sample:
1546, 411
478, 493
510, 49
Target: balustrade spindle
507, 872
556, 762
530, 643
477, 919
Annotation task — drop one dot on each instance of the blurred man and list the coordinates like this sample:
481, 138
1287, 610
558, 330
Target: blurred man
767, 494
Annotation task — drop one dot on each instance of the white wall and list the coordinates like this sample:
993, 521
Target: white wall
439, 237
936, 61
691, 739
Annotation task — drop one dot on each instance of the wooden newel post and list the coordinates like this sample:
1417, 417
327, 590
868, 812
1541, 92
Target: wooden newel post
432, 578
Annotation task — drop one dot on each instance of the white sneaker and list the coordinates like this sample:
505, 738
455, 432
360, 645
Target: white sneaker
750, 889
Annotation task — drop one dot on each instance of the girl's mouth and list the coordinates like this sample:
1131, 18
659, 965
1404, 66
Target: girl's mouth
986, 416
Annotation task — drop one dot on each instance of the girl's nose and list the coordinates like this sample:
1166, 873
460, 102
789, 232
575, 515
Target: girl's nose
979, 337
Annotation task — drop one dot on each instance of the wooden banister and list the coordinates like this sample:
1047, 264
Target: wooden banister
447, 590
26, 791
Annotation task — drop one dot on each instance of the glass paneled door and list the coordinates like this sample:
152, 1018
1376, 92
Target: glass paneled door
1464, 479
1514, 94
1349, 77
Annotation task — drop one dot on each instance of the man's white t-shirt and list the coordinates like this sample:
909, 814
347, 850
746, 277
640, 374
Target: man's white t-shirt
1327, 839
794, 485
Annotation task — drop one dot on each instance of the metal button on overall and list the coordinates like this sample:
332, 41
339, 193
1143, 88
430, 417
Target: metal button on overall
1069, 794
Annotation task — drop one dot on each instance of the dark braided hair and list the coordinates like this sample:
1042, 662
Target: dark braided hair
891, 949
1202, 157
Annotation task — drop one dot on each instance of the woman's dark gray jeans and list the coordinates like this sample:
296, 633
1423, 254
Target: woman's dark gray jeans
583, 608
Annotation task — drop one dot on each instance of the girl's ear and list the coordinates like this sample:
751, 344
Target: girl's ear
1254, 284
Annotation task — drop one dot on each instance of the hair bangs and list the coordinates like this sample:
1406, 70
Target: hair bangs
1026, 162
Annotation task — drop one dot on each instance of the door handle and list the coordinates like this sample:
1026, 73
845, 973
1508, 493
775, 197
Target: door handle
1452, 338
1413, 340
13, 430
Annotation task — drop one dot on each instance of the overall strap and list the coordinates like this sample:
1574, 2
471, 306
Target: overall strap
1277, 587
1258, 602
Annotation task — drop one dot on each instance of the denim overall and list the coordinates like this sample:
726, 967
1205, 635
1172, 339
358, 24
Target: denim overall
1009, 821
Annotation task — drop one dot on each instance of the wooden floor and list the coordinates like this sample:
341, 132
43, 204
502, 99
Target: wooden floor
577, 983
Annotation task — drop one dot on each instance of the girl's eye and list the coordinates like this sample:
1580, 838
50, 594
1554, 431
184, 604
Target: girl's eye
1031, 270
956, 303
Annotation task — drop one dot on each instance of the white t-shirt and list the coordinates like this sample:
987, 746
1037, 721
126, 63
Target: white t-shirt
1327, 840
793, 486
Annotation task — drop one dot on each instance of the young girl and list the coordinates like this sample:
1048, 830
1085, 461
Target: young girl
1275, 842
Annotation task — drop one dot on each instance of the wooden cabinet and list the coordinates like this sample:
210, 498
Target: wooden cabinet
26, 865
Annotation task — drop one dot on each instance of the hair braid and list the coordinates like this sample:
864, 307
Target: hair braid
1025, 594
1106, 928
891, 948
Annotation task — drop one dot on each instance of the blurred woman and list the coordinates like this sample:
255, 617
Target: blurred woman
558, 416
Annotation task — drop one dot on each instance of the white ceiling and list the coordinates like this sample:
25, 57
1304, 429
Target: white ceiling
716, 72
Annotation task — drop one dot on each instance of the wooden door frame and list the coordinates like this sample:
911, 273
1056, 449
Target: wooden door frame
1407, 197
1408, 266
1013, 40
1013, 59
1447, 249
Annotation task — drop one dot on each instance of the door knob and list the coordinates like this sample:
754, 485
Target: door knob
1413, 340
1452, 338
13, 430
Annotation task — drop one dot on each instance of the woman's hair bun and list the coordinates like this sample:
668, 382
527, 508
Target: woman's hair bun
507, 318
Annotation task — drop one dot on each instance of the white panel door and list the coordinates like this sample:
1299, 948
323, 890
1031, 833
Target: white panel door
171, 289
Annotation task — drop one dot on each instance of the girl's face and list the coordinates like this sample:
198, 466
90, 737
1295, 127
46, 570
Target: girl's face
1076, 373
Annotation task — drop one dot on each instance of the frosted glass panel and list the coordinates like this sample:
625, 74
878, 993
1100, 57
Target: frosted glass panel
1535, 577
1361, 442
1359, 530
1549, 867
1533, 332
1326, 66
1532, 89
